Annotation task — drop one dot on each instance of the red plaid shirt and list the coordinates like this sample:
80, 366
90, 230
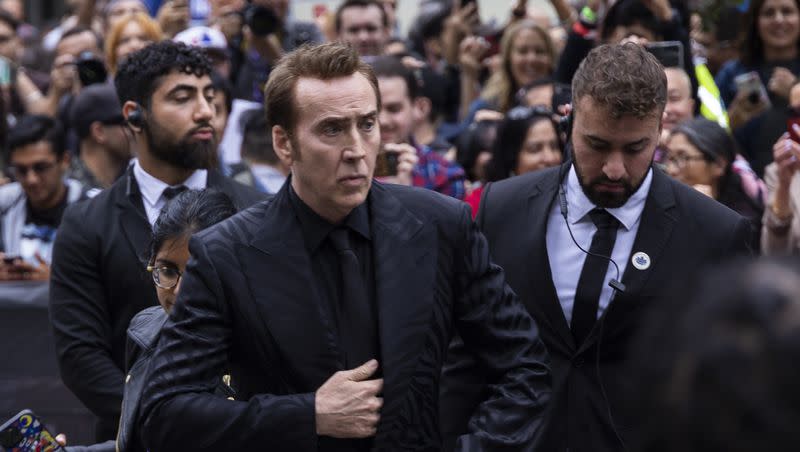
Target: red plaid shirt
435, 173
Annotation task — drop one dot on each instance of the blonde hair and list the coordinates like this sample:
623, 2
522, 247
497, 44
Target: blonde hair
149, 26
501, 87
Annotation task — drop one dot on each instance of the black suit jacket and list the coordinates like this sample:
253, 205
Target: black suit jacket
99, 282
681, 230
247, 299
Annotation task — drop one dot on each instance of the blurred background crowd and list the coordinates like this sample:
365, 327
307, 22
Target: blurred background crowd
472, 92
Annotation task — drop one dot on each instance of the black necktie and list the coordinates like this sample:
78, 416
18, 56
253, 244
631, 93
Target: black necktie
590, 284
357, 328
171, 192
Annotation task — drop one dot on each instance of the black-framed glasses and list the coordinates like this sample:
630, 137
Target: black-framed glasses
681, 160
17, 171
165, 276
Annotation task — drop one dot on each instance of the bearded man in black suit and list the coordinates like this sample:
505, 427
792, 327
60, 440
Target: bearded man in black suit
99, 278
593, 246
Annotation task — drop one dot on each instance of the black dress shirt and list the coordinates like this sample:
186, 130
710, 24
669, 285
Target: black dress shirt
325, 259
325, 262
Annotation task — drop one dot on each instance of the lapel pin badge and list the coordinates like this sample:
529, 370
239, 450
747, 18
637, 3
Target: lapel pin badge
641, 261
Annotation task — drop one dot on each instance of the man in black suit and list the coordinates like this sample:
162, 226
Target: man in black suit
99, 278
618, 206
337, 347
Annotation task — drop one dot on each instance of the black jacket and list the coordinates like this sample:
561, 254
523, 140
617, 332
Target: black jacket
247, 299
681, 230
99, 282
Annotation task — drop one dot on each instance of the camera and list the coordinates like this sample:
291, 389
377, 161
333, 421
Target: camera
91, 69
261, 20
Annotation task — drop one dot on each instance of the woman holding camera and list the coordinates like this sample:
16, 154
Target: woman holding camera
769, 47
527, 54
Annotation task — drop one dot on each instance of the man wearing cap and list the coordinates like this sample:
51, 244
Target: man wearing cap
104, 150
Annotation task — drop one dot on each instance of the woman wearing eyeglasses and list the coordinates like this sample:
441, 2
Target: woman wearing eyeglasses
527, 140
702, 154
187, 213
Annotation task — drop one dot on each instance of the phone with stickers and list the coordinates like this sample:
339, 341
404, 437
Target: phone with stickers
26, 433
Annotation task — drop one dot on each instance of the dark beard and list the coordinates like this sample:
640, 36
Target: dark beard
604, 199
184, 153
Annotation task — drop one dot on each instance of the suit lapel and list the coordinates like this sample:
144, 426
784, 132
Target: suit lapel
543, 290
655, 229
405, 287
133, 220
282, 284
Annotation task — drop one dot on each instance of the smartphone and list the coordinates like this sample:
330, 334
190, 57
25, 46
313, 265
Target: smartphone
25, 433
10, 259
7, 72
751, 84
386, 164
668, 53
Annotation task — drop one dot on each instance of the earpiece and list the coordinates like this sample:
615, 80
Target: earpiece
566, 125
135, 118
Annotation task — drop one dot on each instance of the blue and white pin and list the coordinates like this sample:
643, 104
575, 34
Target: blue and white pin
641, 261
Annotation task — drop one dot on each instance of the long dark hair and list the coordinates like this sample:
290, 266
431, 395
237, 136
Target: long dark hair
189, 212
751, 46
511, 135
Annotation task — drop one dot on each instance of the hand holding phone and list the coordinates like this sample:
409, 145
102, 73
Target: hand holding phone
26, 433
751, 86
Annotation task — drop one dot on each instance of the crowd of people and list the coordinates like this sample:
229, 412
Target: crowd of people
265, 233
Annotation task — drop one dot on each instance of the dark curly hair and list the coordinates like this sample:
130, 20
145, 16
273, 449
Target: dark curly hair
141, 73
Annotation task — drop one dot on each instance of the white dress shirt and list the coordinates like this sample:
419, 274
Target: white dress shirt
566, 260
152, 189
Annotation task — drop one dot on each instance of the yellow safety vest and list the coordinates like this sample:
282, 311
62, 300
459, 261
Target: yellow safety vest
711, 105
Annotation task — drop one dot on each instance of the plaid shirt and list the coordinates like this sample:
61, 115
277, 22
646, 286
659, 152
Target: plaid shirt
435, 173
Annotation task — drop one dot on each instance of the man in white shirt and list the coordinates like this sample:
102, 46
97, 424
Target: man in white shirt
592, 246
99, 277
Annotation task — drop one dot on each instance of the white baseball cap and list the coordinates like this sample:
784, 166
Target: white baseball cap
203, 37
